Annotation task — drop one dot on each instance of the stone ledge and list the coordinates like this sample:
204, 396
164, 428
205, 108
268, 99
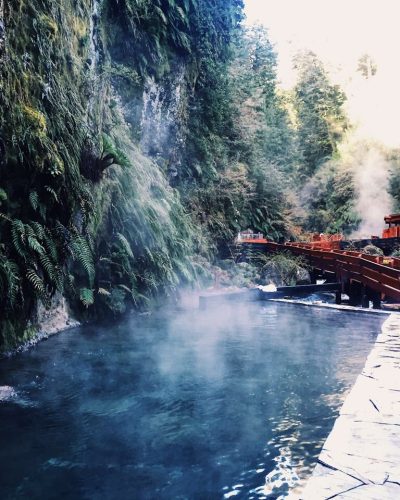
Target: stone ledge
361, 457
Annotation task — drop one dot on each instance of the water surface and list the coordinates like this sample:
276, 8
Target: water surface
235, 402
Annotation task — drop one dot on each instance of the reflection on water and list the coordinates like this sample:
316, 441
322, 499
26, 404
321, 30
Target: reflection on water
234, 402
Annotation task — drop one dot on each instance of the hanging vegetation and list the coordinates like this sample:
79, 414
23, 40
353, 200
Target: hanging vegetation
137, 137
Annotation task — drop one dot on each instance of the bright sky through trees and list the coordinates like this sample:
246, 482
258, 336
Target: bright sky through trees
340, 32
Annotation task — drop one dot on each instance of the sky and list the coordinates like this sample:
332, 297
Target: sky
339, 32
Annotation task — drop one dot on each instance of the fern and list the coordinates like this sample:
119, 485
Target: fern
33, 242
9, 273
48, 266
125, 244
34, 199
127, 289
36, 282
3, 195
51, 247
18, 237
86, 296
39, 229
81, 252
119, 156
161, 15
51, 191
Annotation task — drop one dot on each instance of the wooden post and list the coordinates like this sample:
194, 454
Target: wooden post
313, 276
365, 301
355, 293
376, 299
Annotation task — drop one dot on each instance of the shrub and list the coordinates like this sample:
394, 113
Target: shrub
283, 268
372, 250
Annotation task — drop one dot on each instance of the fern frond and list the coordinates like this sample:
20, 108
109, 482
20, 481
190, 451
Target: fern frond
86, 296
32, 241
126, 288
51, 191
34, 200
36, 282
59, 279
48, 266
39, 229
50, 246
125, 244
18, 237
10, 281
81, 252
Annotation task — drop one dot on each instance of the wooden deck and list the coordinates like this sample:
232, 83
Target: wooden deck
379, 274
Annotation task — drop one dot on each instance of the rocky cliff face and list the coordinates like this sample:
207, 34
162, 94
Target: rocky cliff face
96, 98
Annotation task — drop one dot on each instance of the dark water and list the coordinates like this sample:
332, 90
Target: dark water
179, 405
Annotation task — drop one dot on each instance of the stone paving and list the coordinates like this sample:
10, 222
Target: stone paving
361, 457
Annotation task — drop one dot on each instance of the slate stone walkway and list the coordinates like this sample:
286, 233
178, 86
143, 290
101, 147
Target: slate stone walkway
361, 457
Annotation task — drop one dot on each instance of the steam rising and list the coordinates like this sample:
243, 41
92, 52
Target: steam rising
373, 200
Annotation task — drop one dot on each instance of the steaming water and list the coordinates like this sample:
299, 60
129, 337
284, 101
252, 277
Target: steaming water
178, 405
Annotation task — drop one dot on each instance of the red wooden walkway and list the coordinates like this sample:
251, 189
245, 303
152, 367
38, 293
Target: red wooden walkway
380, 274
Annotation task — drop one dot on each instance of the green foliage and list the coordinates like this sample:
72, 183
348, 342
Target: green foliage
148, 33
283, 268
86, 296
319, 107
43, 123
115, 300
394, 180
9, 280
321, 173
80, 251
36, 282
232, 176
15, 332
329, 199
144, 238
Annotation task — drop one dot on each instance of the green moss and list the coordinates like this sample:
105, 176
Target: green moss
35, 119
14, 333
48, 25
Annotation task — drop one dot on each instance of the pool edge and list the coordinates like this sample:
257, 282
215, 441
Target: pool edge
361, 456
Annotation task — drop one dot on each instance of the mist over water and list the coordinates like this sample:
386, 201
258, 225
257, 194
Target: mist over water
228, 402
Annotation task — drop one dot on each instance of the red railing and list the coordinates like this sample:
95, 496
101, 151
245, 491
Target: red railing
250, 237
321, 242
391, 232
380, 273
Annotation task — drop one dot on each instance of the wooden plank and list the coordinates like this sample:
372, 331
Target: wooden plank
382, 278
395, 273
381, 287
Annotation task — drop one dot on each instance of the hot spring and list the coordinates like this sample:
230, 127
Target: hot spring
231, 402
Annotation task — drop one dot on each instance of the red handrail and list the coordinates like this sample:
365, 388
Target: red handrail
380, 273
